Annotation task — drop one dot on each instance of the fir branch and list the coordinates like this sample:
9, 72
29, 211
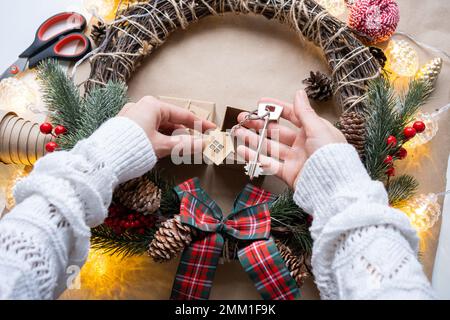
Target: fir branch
381, 122
290, 222
418, 93
401, 189
387, 114
60, 94
102, 104
124, 245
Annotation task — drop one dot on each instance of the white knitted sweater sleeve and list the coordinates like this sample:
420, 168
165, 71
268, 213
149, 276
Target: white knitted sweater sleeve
363, 249
66, 194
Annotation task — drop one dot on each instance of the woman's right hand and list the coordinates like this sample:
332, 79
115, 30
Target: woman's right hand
287, 156
159, 120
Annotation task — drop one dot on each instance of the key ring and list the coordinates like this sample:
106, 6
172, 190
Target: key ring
251, 116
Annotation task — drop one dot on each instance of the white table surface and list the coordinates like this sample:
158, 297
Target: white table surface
19, 20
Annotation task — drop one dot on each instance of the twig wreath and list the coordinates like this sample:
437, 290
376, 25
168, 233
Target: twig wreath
145, 213
140, 29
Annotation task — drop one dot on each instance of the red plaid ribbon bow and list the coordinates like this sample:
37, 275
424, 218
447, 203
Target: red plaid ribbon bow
250, 222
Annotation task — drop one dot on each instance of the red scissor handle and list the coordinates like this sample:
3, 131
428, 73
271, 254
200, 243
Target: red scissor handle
75, 22
83, 46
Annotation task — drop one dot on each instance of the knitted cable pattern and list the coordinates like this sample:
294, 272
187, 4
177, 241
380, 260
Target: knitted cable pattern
66, 194
363, 249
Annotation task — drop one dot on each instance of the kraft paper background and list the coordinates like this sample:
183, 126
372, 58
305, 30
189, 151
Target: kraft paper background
235, 60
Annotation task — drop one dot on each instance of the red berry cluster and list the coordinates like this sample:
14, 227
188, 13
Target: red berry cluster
409, 132
121, 220
47, 128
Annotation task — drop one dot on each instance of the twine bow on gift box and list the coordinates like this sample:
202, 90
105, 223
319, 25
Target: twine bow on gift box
249, 222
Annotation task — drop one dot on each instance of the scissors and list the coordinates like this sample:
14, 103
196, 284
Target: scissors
52, 47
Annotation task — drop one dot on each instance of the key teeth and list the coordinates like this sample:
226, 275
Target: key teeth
258, 171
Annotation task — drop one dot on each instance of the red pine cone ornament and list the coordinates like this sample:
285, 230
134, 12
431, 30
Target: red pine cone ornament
375, 19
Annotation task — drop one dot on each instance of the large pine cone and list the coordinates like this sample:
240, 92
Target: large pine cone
319, 86
296, 265
98, 33
353, 126
170, 239
140, 195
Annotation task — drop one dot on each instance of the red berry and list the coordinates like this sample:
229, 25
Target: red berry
130, 217
388, 160
51, 146
391, 141
127, 225
390, 172
402, 153
141, 231
409, 132
59, 130
419, 126
46, 128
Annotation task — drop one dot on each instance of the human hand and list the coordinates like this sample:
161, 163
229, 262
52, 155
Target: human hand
287, 156
160, 119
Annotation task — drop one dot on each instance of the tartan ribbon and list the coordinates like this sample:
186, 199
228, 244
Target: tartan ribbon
249, 221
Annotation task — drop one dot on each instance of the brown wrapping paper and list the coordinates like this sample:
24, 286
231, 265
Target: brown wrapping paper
235, 60
21, 141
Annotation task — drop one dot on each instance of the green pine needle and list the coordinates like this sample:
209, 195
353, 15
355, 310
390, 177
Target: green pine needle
60, 94
290, 218
401, 189
125, 245
388, 114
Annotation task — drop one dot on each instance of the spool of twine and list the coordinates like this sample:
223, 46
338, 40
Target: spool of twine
21, 141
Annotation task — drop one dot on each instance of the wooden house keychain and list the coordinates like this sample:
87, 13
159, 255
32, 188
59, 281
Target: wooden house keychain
220, 146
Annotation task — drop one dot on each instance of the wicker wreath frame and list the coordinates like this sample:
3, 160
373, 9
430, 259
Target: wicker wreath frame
140, 29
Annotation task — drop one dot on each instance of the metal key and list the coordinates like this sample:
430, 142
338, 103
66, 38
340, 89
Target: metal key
268, 112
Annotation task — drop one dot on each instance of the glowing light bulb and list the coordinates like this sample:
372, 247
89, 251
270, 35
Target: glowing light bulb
105, 9
431, 127
402, 59
423, 211
16, 95
334, 7
20, 173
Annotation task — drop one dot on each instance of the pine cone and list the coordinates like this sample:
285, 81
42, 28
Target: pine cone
296, 265
98, 33
140, 195
430, 71
170, 239
379, 55
319, 86
353, 126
